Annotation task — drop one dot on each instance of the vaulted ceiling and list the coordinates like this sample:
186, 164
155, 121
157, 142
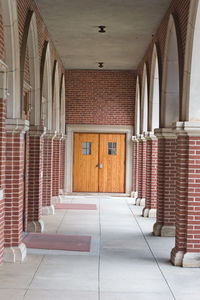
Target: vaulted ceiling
73, 25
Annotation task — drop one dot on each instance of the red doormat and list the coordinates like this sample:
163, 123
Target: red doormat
76, 206
57, 242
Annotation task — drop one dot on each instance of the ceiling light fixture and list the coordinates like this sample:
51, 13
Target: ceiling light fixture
100, 65
102, 29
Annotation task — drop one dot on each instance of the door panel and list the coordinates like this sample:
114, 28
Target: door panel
112, 158
85, 175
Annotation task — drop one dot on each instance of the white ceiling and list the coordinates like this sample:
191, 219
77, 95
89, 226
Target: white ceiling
73, 26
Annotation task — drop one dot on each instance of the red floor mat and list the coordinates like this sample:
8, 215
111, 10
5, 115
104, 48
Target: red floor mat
76, 206
57, 242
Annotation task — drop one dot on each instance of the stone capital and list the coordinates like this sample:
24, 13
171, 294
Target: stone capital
134, 139
150, 136
141, 138
64, 137
49, 134
165, 133
58, 136
17, 125
37, 131
187, 128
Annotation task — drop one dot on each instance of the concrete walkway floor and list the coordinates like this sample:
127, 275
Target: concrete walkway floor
125, 262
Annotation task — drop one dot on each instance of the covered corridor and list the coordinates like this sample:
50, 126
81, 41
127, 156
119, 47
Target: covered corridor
125, 261
99, 98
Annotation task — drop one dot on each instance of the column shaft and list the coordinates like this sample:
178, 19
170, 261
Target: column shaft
151, 176
141, 171
187, 246
2, 171
166, 191
47, 207
35, 179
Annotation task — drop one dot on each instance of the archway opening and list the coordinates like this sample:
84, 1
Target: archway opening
62, 104
12, 57
137, 108
154, 99
30, 72
144, 101
46, 88
56, 99
170, 93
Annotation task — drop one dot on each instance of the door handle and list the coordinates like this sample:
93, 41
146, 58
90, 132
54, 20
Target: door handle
100, 166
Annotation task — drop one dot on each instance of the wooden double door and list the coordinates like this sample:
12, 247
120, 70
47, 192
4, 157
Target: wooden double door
99, 163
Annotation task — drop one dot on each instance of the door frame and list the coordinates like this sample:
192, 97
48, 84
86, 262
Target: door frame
71, 129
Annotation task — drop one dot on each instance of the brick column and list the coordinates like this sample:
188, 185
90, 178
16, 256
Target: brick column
166, 190
62, 165
15, 250
56, 168
187, 246
47, 206
35, 179
141, 171
151, 176
2, 170
134, 193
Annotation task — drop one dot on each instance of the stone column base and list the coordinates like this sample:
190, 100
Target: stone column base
149, 213
61, 192
15, 254
157, 229
35, 226
185, 259
177, 257
57, 199
168, 231
163, 230
140, 202
134, 194
48, 210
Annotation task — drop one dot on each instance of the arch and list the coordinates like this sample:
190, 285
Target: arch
46, 87
137, 108
12, 57
170, 104
191, 83
154, 93
56, 98
30, 44
62, 104
144, 101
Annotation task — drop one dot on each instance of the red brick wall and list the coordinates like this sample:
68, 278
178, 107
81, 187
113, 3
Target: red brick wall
62, 164
141, 169
47, 171
100, 97
152, 168
14, 188
56, 165
160, 181
26, 180
2, 170
2, 141
144, 168
188, 192
135, 166
166, 189
35, 171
